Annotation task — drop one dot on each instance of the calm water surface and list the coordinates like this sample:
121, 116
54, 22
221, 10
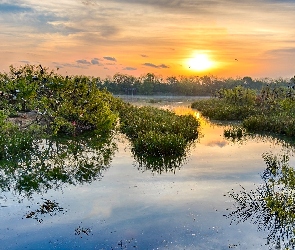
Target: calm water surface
126, 206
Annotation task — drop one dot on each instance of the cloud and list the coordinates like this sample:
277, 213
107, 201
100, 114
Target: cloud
32, 20
69, 65
129, 68
143, 55
25, 61
95, 61
220, 144
161, 66
11, 8
155, 3
109, 58
290, 51
83, 61
89, 2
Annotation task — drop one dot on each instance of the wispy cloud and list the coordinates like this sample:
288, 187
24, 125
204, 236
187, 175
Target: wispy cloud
109, 58
83, 61
95, 61
161, 66
130, 30
129, 68
290, 51
13, 8
25, 61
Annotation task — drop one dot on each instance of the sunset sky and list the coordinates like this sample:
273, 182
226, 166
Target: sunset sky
224, 38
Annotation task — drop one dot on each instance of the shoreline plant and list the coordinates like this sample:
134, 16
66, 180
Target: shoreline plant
270, 110
157, 136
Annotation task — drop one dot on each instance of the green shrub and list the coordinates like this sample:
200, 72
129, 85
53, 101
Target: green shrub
272, 111
157, 134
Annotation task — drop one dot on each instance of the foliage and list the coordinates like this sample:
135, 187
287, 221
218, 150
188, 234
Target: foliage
271, 206
13, 140
270, 110
157, 134
219, 109
238, 95
32, 157
64, 104
150, 84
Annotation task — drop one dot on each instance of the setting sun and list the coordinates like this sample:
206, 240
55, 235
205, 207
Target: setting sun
200, 62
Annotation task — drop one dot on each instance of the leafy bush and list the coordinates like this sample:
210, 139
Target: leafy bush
219, 109
272, 111
157, 133
68, 105
13, 140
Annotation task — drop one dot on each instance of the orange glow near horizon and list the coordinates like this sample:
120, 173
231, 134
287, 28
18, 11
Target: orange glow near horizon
165, 38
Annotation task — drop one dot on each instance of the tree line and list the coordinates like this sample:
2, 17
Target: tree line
150, 84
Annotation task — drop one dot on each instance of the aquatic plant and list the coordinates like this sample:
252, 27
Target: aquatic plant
271, 206
156, 133
271, 110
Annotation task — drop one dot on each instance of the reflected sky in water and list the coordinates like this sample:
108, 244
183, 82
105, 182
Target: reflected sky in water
133, 208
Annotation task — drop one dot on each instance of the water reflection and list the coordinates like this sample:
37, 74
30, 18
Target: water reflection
163, 162
237, 135
50, 163
271, 206
160, 164
48, 207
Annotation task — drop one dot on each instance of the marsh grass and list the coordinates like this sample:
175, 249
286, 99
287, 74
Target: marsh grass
157, 136
271, 110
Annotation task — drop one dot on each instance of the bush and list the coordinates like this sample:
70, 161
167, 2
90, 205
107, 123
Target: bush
273, 110
157, 133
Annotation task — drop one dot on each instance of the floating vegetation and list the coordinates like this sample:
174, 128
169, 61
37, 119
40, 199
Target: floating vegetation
271, 206
82, 231
48, 207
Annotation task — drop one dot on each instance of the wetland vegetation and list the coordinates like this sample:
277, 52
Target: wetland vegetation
60, 129
68, 148
270, 110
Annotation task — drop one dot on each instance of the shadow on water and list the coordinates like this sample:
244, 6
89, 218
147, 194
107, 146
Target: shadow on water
51, 163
